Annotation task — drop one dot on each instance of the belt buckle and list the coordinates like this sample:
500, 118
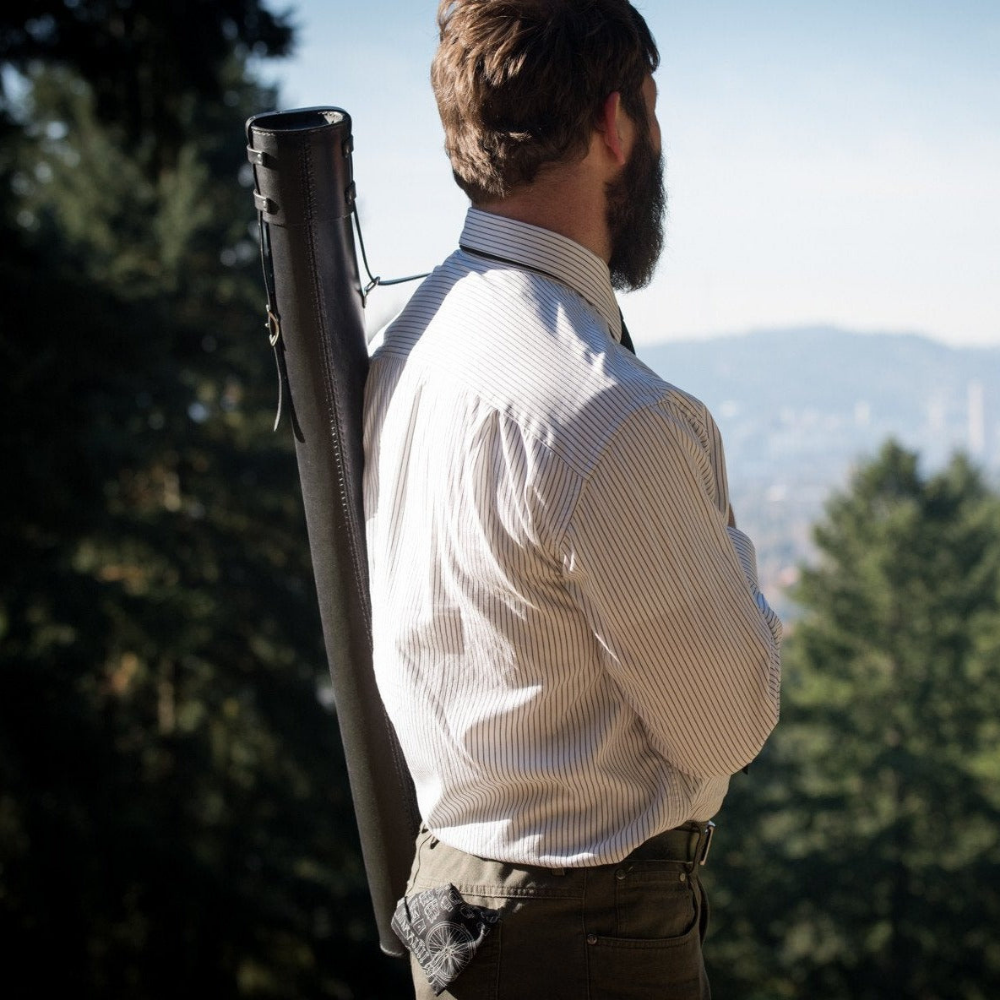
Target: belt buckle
704, 843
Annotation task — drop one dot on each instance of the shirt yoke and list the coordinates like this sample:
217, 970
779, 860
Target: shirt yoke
537, 353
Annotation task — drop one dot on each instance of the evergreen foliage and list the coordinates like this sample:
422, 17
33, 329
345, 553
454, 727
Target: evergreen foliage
865, 862
174, 812
149, 63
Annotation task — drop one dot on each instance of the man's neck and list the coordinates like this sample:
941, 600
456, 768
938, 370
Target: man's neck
565, 201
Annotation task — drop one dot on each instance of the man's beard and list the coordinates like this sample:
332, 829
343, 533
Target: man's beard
636, 206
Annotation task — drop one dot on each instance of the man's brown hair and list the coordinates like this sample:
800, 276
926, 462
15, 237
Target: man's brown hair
521, 83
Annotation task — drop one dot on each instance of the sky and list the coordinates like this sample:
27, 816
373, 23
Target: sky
828, 162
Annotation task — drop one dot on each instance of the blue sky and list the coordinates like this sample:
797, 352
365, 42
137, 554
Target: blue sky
826, 162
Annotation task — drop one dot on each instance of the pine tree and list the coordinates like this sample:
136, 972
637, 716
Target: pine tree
868, 866
174, 813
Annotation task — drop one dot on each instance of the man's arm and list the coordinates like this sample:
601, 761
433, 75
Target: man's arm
671, 593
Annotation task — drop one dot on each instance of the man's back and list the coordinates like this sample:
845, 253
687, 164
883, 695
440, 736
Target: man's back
513, 441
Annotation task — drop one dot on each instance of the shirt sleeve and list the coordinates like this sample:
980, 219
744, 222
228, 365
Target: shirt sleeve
670, 592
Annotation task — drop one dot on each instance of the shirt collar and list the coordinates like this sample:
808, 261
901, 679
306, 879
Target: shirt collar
550, 254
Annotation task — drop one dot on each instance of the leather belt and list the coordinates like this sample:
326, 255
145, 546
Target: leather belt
688, 844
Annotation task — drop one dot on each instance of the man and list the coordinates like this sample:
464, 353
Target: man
568, 634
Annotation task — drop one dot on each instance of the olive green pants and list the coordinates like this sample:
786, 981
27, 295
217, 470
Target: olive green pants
627, 931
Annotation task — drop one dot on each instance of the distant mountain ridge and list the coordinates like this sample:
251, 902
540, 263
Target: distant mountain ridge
822, 365
851, 389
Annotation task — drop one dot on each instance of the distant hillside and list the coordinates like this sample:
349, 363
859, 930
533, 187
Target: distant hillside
798, 407
820, 391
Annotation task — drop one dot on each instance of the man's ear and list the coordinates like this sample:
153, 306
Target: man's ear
612, 117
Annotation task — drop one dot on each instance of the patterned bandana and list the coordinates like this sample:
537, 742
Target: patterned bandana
443, 931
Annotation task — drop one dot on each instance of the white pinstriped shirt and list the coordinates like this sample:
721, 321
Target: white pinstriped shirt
568, 638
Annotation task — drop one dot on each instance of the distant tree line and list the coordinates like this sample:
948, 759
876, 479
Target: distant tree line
174, 811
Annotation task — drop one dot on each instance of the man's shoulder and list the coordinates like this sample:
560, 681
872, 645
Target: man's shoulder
535, 351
